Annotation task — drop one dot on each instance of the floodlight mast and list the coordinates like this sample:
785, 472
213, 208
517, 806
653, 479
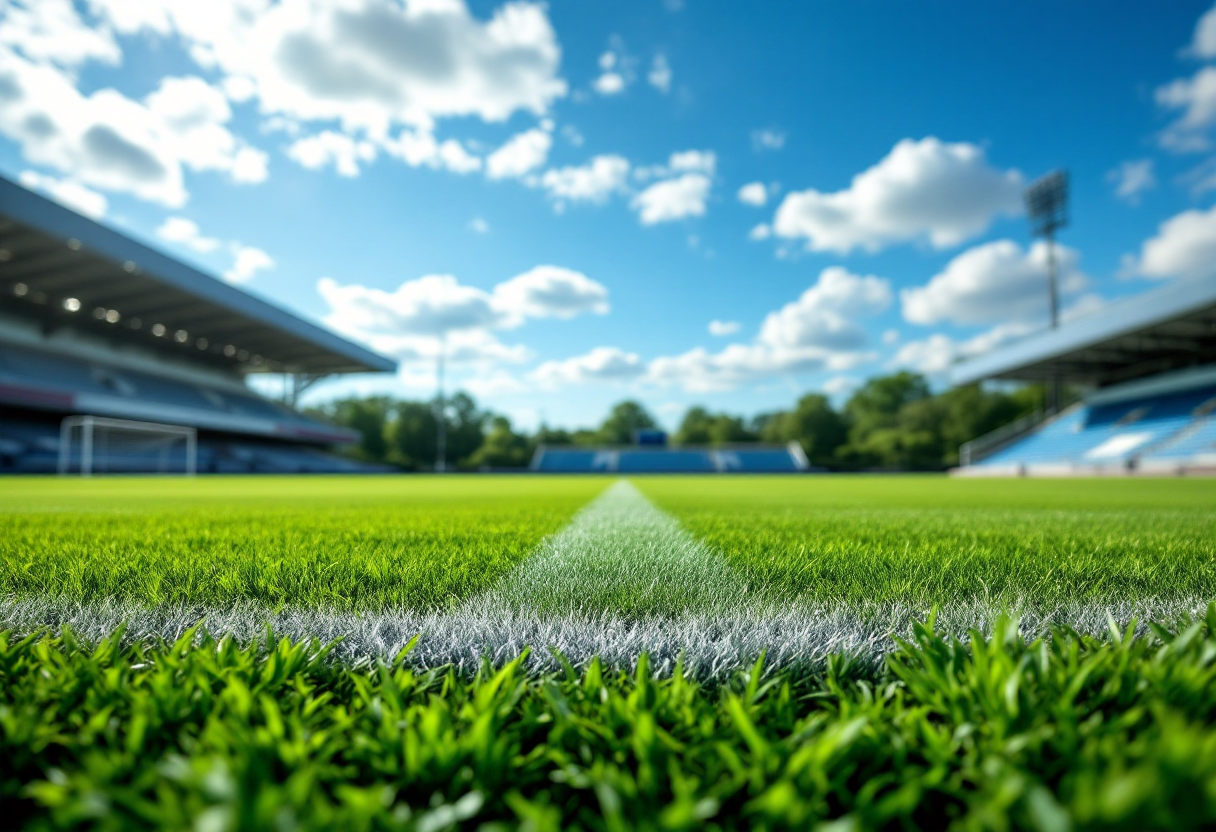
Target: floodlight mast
1047, 210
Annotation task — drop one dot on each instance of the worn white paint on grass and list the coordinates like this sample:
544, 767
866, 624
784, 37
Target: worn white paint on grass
622, 579
619, 554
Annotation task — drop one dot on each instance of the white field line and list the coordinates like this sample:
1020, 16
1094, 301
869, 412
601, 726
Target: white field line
620, 553
623, 578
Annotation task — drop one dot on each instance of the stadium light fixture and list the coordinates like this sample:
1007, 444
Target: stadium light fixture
1047, 210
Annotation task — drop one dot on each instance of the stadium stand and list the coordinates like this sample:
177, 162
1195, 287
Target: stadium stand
95, 323
1148, 369
755, 459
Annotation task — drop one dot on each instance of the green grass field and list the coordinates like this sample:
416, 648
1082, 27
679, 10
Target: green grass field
721, 660
350, 543
926, 540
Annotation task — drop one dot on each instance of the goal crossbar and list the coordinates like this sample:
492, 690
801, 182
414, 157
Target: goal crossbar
91, 426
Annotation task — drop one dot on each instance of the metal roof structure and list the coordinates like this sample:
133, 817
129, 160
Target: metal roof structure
66, 270
1170, 328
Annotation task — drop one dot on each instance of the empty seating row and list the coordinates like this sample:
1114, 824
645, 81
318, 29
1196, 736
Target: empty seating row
24, 365
1172, 426
666, 460
32, 447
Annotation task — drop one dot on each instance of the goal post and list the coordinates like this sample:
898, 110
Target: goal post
98, 445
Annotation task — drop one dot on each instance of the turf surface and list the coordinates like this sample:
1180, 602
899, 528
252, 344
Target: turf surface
343, 542
928, 540
1066, 734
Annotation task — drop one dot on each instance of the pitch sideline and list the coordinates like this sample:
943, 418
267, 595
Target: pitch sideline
622, 578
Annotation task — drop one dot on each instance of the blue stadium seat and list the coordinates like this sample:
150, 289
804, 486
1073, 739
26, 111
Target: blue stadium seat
1118, 433
665, 462
31, 446
44, 370
758, 461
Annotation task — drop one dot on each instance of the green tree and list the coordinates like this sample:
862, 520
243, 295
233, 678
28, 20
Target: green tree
875, 437
813, 424
368, 416
546, 435
624, 418
414, 434
695, 428
730, 430
503, 447
466, 428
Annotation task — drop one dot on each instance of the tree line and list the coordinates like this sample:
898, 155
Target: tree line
893, 422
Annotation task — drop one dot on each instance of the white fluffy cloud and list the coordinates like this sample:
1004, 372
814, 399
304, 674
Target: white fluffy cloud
1196, 98
551, 292
431, 305
768, 139
1203, 44
1132, 178
933, 356
660, 73
996, 281
945, 193
760, 231
247, 261
368, 64
409, 320
817, 332
602, 364
521, 154
826, 314
187, 233
476, 347
332, 148
593, 182
680, 188
67, 192
700, 371
494, 384
610, 83
380, 75
52, 31
617, 70
721, 329
419, 148
110, 142
753, 193
841, 385
1184, 246
673, 199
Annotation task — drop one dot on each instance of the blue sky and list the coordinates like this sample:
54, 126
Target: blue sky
713, 203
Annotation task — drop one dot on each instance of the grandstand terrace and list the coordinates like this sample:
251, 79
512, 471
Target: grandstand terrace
641, 459
93, 323
1147, 366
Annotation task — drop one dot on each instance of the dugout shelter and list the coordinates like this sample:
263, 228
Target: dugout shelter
1147, 368
95, 324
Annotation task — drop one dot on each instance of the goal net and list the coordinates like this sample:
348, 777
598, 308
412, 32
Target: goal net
97, 445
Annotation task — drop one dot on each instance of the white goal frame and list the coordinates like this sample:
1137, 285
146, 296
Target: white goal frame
89, 425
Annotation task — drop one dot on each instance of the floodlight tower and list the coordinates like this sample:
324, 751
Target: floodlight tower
1047, 210
441, 421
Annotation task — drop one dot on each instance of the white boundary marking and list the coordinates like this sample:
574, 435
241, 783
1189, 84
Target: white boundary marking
621, 579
